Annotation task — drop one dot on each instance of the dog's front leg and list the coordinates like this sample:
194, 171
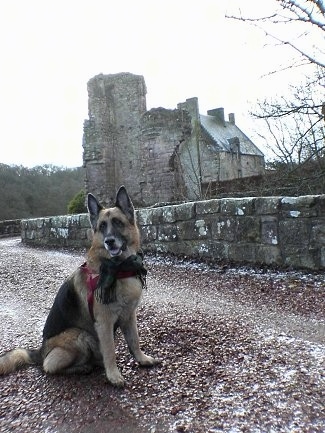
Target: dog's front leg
104, 325
130, 331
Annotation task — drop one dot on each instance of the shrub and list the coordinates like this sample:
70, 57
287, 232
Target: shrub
77, 203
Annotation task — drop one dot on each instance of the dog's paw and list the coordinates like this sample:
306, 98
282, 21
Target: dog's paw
149, 361
115, 378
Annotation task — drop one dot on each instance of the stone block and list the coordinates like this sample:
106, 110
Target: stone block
72, 233
322, 257
30, 234
10, 228
219, 250
294, 207
320, 204
144, 216
224, 228
148, 233
207, 207
203, 249
293, 232
248, 229
39, 223
90, 235
194, 229
157, 215
169, 214
199, 249
317, 234
242, 252
269, 230
202, 228
185, 211
268, 254
84, 221
32, 224
180, 248
72, 220
237, 206
300, 256
82, 234
167, 233
24, 224
60, 221
59, 232
158, 247
267, 205
185, 230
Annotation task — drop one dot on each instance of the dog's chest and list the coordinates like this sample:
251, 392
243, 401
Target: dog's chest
128, 292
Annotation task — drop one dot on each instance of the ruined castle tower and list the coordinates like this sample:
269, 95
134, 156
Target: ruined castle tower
125, 144
111, 141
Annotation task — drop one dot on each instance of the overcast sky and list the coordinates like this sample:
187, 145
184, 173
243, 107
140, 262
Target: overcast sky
183, 48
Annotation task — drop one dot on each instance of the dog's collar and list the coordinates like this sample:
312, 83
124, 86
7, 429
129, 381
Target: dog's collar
102, 284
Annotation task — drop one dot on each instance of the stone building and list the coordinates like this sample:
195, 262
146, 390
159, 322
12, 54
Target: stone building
160, 155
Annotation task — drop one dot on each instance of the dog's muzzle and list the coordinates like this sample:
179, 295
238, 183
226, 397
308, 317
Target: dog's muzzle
114, 246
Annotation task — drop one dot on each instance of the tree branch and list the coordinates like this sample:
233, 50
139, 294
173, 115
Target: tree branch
307, 12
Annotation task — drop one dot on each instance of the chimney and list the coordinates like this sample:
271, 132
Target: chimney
192, 106
231, 117
219, 114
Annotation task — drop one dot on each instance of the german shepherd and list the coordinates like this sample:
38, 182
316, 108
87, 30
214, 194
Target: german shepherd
99, 297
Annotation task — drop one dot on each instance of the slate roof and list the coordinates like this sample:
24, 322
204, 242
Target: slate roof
222, 132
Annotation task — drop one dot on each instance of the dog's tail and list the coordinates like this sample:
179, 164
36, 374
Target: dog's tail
18, 358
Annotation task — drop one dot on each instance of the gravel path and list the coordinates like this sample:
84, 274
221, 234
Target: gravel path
243, 351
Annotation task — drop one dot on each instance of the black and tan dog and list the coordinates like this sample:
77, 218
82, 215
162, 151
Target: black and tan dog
94, 301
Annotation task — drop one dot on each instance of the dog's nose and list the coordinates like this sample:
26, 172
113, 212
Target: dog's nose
110, 241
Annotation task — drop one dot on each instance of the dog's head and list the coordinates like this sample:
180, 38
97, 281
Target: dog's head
115, 228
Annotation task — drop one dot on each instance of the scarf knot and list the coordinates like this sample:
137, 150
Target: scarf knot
114, 269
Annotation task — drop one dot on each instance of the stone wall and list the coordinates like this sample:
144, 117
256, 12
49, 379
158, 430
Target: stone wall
9, 228
284, 231
162, 131
57, 231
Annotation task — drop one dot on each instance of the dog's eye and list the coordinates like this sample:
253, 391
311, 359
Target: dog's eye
103, 226
118, 223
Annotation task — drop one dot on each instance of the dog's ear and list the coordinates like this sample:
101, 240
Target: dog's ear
124, 203
93, 209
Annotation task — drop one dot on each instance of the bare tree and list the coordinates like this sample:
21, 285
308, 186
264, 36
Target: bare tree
295, 123
291, 23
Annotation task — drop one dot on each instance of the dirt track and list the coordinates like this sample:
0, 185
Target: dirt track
243, 351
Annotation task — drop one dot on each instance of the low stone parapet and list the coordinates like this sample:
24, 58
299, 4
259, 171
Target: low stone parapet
283, 231
61, 231
10, 228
